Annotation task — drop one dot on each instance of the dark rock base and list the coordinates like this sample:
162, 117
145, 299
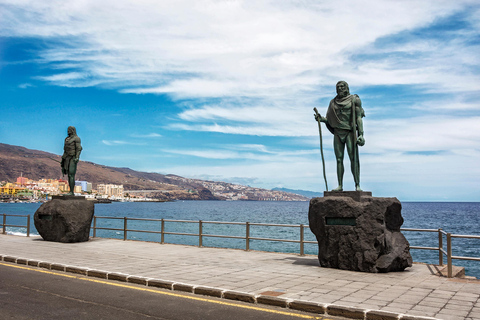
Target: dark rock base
359, 233
66, 219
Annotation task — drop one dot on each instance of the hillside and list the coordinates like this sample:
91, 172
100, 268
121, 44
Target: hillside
35, 164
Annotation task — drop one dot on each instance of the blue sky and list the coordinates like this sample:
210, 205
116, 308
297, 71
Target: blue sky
224, 90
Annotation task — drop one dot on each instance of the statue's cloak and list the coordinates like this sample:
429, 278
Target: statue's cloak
338, 103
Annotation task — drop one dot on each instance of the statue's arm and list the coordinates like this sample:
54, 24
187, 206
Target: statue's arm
359, 115
78, 149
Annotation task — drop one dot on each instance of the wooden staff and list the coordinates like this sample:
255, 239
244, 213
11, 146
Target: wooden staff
355, 147
318, 117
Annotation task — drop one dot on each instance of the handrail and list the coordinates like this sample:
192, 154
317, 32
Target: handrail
448, 252
5, 225
201, 234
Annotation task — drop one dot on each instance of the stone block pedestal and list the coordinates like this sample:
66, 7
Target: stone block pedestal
356, 231
65, 219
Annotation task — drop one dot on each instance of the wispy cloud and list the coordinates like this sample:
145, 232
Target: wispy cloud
25, 85
120, 143
225, 49
149, 135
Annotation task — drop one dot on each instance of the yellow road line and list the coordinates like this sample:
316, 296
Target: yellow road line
167, 293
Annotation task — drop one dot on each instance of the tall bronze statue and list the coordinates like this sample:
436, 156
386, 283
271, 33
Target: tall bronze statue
344, 120
70, 158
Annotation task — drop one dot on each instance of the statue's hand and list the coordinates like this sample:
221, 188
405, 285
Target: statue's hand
320, 118
360, 140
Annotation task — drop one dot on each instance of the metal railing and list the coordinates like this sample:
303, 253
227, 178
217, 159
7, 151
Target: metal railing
441, 251
201, 235
5, 225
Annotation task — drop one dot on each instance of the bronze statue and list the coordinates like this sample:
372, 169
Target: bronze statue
344, 120
70, 158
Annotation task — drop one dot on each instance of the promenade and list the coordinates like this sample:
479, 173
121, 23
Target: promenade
285, 280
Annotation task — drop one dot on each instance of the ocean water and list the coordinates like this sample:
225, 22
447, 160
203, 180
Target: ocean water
456, 218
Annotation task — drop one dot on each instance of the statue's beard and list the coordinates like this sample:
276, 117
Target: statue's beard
342, 94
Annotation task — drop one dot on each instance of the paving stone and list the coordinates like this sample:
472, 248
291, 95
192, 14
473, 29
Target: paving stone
183, 287
208, 291
76, 270
272, 301
97, 274
347, 312
307, 306
158, 283
455, 312
381, 315
241, 296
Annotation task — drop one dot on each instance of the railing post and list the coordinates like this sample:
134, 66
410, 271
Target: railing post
94, 226
28, 226
124, 228
162, 241
449, 256
302, 239
440, 247
4, 223
200, 231
247, 236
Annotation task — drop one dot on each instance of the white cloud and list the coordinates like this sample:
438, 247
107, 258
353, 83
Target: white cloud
25, 85
257, 154
120, 142
225, 48
148, 135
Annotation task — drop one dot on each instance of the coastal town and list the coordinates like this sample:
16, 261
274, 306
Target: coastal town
29, 190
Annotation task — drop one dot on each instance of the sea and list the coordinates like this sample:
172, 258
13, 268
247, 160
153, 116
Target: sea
461, 218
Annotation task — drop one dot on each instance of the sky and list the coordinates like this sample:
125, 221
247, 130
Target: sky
225, 90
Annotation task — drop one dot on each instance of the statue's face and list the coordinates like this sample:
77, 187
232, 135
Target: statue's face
342, 89
70, 131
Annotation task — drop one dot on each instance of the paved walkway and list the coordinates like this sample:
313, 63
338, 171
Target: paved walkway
286, 280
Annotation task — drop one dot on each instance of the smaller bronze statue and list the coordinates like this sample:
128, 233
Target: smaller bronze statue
344, 120
70, 158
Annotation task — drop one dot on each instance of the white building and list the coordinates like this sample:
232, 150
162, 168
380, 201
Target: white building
110, 190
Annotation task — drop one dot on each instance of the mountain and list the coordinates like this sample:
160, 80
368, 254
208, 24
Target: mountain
16, 161
305, 193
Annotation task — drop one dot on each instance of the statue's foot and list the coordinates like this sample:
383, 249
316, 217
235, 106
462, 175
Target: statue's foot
70, 194
357, 188
339, 188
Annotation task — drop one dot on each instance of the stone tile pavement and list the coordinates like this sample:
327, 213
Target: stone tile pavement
285, 280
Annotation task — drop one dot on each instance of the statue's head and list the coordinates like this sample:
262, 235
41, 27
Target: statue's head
72, 131
342, 89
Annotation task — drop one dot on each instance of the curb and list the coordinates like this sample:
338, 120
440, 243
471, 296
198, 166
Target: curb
299, 305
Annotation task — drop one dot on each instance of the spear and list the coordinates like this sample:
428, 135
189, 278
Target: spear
54, 160
318, 117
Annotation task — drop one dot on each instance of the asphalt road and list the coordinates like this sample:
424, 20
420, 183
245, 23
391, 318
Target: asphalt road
36, 293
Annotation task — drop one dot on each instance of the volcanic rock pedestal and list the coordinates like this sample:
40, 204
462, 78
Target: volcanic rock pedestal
65, 219
358, 232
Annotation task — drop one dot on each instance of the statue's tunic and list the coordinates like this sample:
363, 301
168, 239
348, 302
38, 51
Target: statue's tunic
72, 150
339, 114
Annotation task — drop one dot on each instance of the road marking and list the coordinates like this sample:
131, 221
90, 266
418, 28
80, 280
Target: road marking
167, 293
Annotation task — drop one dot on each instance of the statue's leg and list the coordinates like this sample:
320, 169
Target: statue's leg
339, 148
72, 168
354, 163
